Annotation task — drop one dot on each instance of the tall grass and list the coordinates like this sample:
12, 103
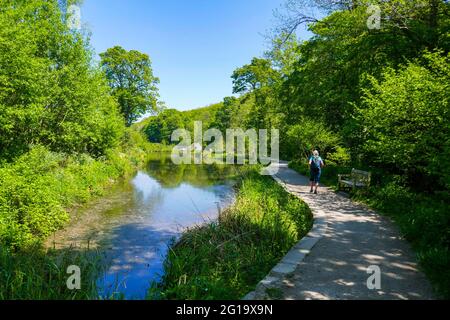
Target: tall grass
226, 259
38, 274
423, 219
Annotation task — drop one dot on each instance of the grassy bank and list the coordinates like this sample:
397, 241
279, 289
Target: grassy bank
38, 274
423, 219
37, 191
226, 259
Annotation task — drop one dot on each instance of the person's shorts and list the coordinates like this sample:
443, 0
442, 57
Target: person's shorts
315, 176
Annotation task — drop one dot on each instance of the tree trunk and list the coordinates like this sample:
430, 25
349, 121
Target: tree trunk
434, 22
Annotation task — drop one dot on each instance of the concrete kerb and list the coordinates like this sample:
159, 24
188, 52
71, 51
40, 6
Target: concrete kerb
295, 256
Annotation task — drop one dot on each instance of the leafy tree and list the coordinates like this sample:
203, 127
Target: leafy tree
206, 115
284, 54
405, 120
159, 128
132, 81
50, 93
258, 74
331, 65
224, 115
309, 135
258, 82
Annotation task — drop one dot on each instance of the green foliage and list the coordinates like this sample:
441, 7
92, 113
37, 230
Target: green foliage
285, 52
49, 92
207, 115
302, 138
63, 142
132, 81
36, 189
36, 274
225, 260
224, 115
159, 129
405, 119
340, 157
330, 65
258, 74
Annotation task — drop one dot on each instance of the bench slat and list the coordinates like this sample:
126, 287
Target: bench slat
357, 178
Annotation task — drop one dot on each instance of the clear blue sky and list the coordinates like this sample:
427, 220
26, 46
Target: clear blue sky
194, 44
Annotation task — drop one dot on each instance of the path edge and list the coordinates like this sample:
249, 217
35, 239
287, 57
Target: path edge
289, 263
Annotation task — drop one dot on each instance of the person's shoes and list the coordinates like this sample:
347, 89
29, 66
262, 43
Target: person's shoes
315, 192
311, 190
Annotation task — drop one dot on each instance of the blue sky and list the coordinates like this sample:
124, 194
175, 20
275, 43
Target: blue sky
194, 45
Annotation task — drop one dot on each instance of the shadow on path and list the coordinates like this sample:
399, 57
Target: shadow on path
356, 238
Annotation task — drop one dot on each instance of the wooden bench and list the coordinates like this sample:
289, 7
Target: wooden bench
356, 179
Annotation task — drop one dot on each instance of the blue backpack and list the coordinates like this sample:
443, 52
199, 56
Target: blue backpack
314, 166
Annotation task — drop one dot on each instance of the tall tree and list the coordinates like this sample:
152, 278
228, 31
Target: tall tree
284, 54
131, 79
50, 94
259, 73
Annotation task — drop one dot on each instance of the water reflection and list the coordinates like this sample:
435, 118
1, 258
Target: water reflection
134, 226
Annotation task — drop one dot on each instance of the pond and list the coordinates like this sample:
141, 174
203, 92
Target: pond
134, 226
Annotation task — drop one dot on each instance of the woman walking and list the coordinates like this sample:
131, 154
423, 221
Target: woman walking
315, 169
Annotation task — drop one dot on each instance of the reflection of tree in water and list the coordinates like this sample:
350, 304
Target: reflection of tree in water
170, 175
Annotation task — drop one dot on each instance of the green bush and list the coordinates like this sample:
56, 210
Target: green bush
159, 129
405, 122
302, 138
31, 206
340, 157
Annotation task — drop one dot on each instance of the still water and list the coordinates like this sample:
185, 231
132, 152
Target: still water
134, 226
